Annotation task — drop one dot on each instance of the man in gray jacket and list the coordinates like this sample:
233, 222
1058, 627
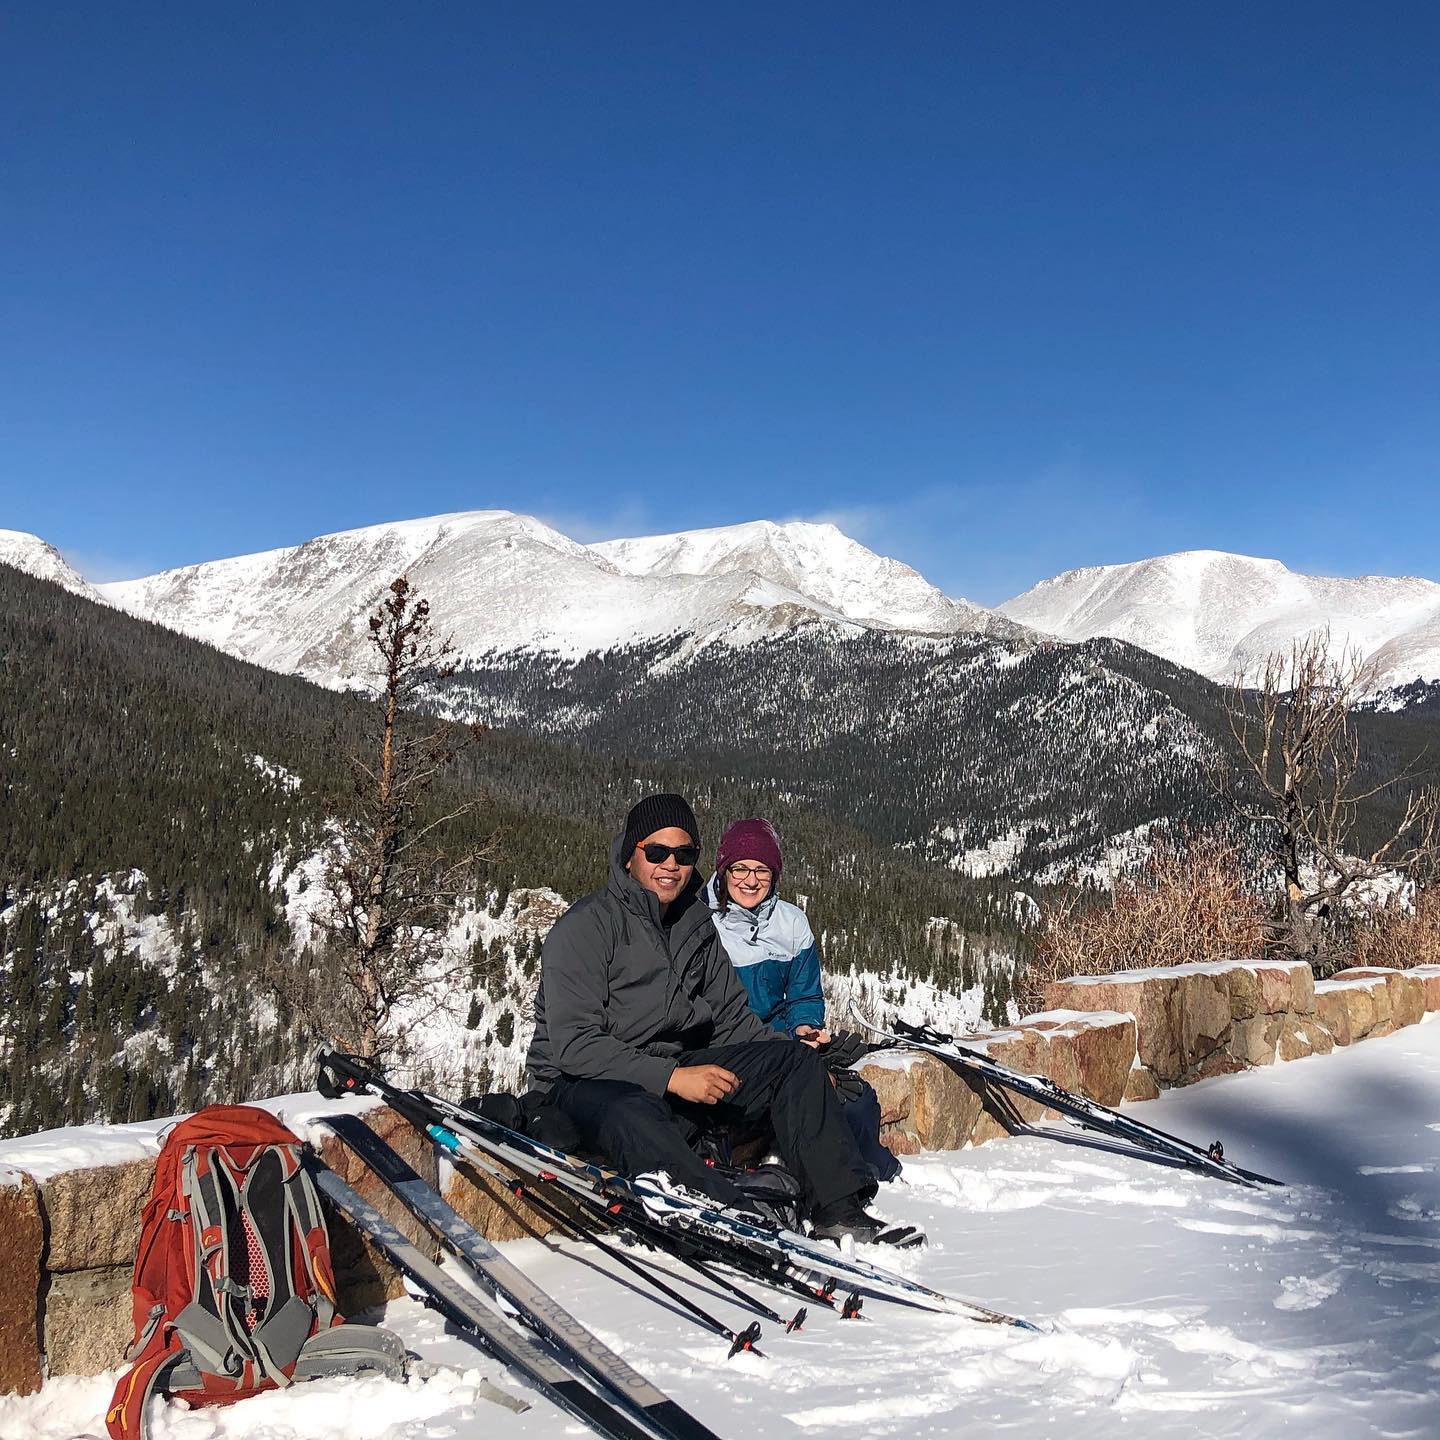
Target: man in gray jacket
644, 1037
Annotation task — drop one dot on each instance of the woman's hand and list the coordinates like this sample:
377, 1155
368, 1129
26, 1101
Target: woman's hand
809, 1035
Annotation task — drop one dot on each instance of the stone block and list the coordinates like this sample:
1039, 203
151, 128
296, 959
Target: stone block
944, 1107
1220, 1063
1036, 1047
899, 1142
1302, 989
1429, 977
1253, 1041
21, 1261
93, 1215
892, 1087
1087, 1052
1202, 1006
1405, 992
988, 1128
1246, 1000
1140, 1085
1303, 1035
1286, 985
495, 1211
1332, 1008
88, 1320
1365, 1001
1149, 996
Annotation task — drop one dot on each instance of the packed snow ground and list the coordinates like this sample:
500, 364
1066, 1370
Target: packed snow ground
1178, 1305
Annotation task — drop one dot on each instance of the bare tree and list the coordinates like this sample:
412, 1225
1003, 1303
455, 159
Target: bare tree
388, 890
1301, 778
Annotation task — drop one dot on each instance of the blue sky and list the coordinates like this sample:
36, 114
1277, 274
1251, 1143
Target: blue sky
1001, 289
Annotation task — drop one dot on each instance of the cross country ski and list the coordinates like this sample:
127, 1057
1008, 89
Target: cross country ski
1089, 1114
511, 1286
512, 1347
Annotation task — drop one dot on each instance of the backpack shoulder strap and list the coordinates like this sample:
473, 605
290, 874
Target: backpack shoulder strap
127, 1417
309, 1220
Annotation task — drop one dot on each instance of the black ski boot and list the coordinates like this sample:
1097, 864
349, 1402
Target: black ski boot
845, 1217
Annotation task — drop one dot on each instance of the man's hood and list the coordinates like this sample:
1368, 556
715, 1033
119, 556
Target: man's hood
634, 896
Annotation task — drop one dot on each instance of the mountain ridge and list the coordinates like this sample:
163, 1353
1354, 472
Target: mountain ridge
1221, 613
509, 582
37, 557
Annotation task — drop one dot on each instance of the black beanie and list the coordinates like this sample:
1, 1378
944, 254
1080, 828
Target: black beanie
657, 812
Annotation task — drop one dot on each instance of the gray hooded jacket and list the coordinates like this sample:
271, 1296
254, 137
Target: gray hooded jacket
622, 996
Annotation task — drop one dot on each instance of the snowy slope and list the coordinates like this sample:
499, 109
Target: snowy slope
38, 558
1221, 614
814, 559
507, 582
1178, 1306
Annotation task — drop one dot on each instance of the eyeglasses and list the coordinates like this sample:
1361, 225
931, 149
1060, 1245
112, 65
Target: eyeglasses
684, 854
749, 872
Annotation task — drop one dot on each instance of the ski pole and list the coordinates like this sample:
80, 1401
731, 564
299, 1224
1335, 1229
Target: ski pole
743, 1340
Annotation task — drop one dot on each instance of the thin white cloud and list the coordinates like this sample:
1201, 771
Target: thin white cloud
624, 521
100, 568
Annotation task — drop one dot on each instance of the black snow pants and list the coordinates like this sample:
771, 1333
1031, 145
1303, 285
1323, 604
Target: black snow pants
784, 1083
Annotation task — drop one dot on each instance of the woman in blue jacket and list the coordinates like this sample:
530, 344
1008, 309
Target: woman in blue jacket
773, 950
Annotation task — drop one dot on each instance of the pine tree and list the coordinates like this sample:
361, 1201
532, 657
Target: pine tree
389, 889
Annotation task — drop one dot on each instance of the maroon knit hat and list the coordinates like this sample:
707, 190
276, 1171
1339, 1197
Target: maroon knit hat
749, 840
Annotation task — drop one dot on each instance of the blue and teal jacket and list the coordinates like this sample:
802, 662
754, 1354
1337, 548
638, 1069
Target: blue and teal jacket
774, 953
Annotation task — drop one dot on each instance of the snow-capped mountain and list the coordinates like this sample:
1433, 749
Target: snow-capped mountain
1222, 614
38, 558
818, 561
505, 582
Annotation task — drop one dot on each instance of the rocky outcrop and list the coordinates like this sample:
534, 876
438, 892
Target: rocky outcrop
1304, 1035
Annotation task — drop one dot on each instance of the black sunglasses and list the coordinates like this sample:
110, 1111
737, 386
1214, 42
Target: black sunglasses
684, 854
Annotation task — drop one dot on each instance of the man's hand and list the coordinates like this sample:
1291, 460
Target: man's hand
704, 1084
809, 1035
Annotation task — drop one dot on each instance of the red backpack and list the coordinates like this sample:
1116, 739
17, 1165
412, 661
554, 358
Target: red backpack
233, 1291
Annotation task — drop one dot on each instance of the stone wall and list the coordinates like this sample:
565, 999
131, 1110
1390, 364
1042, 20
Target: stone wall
1130, 1035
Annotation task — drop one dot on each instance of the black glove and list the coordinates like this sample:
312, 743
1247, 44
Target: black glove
845, 1049
848, 1086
